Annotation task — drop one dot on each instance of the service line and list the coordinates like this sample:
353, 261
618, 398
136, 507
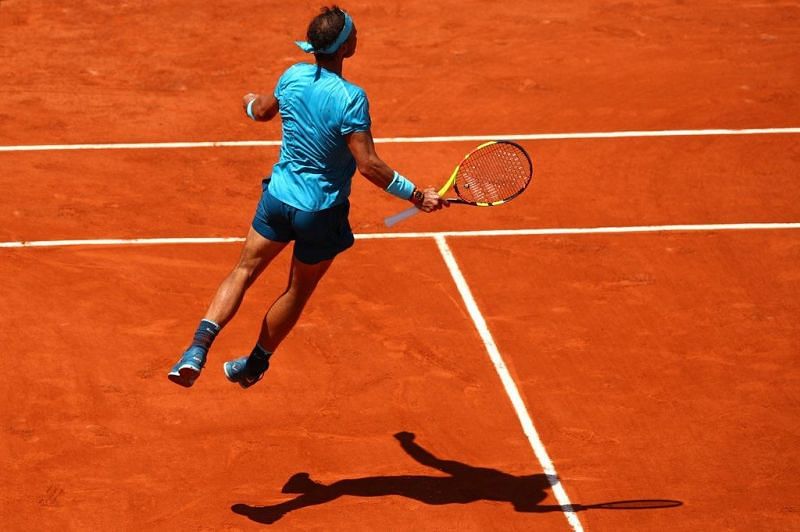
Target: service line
407, 140
391, 236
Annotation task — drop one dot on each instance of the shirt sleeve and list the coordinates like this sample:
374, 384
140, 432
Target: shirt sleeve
356, 114
279, 87
285, 79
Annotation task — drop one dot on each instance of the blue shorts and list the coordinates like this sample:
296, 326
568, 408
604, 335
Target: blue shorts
318, 235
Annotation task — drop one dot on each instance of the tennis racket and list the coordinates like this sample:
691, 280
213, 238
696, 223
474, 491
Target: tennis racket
492, 174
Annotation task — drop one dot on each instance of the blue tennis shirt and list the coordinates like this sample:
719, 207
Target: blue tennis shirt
318, 108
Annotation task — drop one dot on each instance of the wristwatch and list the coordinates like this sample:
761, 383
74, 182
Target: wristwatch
417, 196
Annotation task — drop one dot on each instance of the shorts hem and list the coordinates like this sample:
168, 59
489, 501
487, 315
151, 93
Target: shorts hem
267, 232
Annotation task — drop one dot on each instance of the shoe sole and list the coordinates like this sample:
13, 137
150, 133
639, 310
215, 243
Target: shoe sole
185, 376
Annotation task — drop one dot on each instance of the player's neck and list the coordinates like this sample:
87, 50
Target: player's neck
333, 64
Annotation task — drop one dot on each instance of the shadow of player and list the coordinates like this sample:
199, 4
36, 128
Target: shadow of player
464, 484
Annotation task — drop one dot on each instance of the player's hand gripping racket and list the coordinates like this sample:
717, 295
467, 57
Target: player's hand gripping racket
492, 174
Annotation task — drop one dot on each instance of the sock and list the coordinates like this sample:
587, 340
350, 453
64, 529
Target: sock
260, 352
258, 359
205, 334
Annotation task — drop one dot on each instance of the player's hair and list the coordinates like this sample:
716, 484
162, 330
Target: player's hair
323, 30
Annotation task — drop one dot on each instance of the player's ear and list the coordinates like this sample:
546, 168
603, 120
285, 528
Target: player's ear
351, 44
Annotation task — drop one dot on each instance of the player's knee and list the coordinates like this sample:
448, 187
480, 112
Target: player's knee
247, 269
302, 291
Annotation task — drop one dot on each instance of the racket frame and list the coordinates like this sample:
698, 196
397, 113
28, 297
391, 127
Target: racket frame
451, 183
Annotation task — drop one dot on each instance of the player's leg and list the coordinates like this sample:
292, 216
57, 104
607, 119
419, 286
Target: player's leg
320, 237
285, 311
278, 322
256, 255
269, 234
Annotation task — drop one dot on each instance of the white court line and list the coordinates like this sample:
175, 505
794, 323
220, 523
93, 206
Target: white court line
510, 386
406, 140
142, 145
589, 230
391, 236
117, 242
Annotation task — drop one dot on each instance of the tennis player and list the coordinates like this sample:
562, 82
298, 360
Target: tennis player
326, 137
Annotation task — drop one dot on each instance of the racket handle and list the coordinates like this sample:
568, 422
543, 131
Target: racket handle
400, 216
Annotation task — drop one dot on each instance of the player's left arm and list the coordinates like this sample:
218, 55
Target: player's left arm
262, 107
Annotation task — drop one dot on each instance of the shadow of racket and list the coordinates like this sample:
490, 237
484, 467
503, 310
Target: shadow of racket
633, 504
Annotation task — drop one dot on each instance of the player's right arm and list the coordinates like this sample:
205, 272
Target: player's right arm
264, 106
380, 174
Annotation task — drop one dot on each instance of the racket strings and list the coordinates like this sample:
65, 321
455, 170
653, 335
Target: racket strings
494, 173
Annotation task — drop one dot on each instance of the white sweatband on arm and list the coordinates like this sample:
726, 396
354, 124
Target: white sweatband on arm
400, 187
250, 108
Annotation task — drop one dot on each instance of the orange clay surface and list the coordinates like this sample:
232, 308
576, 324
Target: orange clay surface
655, 366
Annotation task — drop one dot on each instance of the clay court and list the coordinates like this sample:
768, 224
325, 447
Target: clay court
616, 349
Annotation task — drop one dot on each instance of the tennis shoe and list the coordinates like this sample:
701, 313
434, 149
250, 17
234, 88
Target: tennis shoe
246, 371
188, 368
